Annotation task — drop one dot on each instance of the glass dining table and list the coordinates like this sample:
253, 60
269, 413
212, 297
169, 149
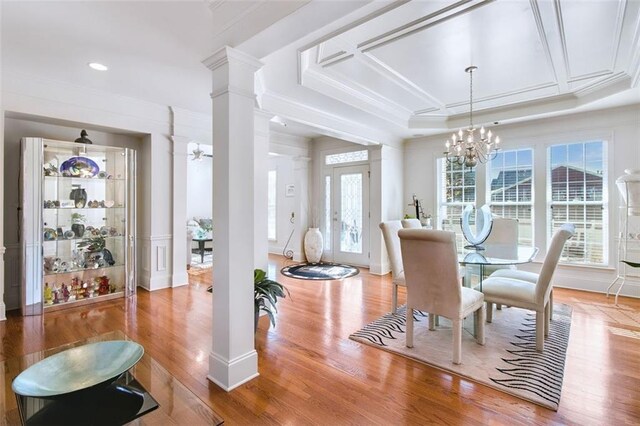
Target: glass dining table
495, 255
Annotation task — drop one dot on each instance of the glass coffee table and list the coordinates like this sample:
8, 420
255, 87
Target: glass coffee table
146, 394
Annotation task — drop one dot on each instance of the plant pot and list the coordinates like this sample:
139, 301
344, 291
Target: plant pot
313, 245
78, 229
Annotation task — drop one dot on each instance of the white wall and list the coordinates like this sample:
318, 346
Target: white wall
14, 130
290, 158
619, 126
199, 178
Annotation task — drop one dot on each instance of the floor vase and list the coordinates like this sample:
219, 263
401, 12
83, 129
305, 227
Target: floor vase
313, 245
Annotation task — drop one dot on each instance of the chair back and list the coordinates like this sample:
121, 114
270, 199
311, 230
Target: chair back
430, 264
392, 243
503, 231
411, 224
543, 286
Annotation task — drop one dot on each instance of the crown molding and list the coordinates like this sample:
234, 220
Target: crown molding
226, 53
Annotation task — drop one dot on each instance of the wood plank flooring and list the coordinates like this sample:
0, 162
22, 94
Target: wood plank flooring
311, 373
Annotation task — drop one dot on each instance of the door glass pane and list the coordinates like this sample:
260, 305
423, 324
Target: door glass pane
351, 213
327, 212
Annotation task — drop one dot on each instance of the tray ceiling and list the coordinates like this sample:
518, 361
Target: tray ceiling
406, 62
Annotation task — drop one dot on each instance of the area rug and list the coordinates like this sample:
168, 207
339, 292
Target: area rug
197, 264
508, 361
319, 271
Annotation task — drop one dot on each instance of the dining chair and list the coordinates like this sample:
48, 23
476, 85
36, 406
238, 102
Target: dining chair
433, 284
523, 293
392, 243
411, 224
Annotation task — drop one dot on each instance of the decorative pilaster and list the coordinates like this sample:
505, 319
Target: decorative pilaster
233, 359
181, 253
2, 247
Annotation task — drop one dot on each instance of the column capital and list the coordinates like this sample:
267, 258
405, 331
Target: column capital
228, 54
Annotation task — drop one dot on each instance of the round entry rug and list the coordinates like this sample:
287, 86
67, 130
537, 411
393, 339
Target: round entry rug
320, 271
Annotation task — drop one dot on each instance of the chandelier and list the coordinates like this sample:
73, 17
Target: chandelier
463, 148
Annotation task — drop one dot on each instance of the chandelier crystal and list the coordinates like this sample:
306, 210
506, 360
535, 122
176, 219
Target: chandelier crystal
463, 147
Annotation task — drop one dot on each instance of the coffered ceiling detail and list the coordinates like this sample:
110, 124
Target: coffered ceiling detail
405, 63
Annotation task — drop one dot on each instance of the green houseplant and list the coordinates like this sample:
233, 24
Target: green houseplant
266, 293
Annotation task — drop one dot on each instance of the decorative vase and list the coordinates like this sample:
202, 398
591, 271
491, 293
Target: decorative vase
78, 229
313, 245
629, 187
79, 197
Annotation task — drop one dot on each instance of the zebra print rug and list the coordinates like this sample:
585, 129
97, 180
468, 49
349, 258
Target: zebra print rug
508, 361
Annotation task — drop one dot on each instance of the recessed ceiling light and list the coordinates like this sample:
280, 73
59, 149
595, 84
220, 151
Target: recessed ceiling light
97, 66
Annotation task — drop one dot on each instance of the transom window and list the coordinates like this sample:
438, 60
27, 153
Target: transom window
346, 157
577, 194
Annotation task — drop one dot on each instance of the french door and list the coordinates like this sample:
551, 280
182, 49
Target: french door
350, 215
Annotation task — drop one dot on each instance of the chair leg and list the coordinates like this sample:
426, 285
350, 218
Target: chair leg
409, 336
551, 305
498, 306
547, 315
432, 321
540, 330
489, 311
457, 341
437, 319
394, 298
480, 315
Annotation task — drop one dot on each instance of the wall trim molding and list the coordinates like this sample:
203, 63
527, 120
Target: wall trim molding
229, 374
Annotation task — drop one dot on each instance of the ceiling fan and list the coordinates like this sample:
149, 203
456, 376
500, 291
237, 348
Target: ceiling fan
199, 154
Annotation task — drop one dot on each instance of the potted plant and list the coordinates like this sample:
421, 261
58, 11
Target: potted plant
266, 293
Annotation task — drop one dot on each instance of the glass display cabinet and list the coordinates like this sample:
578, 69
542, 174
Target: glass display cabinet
77, 224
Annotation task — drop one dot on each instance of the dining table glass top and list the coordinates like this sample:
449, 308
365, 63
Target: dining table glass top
497, 254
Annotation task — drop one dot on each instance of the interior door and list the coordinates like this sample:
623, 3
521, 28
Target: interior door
351, 215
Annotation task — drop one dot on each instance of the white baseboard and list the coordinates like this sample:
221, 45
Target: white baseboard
379, 268
180, 279
154, 283
228, 375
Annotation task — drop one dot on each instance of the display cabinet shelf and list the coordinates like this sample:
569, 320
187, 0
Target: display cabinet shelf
65, 187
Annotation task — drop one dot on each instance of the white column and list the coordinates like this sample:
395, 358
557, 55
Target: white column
378, 261
261, 169
180, 250
2, 248
233, 359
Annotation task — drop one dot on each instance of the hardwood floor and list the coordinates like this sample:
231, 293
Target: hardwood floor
311, 373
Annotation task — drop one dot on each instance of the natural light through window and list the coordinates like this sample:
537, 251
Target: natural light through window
271, 205
510, 189
346, 157
457, 189
576, 194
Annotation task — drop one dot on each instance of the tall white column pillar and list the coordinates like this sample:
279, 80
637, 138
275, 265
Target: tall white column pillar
261, 170
180, 250
2, 248
233, 359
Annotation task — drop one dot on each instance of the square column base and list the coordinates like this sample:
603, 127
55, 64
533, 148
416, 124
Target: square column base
230, 374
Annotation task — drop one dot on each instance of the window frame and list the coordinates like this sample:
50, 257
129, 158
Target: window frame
604, 203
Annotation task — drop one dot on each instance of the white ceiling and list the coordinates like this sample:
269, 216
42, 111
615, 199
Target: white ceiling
367, 71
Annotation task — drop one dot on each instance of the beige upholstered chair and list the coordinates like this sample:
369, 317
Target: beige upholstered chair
523, 293
392, 242
433, 284
411, 224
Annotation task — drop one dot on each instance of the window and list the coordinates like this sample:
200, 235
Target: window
457, 190
577, 194
271, 204
510, 189
346, 157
